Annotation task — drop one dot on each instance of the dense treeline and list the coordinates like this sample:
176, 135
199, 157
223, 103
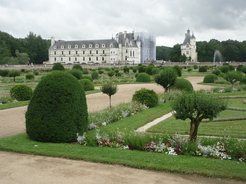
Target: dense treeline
231, 50
32, 49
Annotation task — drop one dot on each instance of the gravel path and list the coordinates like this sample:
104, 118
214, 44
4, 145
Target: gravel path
25, 169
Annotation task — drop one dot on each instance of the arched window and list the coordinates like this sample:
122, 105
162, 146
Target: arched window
103, 45
83, 46
90, 45
76, 46
69, 46
62, 47
96, 45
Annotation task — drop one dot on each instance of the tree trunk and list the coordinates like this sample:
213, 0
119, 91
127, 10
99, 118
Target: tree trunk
110, 101
193, 130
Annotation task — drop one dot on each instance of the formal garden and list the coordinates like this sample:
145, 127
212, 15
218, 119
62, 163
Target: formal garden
206, 134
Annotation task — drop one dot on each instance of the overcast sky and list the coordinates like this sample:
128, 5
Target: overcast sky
100, 19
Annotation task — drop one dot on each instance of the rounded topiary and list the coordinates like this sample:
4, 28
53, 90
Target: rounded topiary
87, 77
141, 68
76, 73
210, 78
87, 84
58, 66
224, 68
243, 69
243, 80
239, 67
147, 97
216, 71
111, 73
126, 69
100, 71
77, 67
94, 75
29, 76
57, 110
149, 69
203, 69
85, 71
178, 70
183, 85
21, 92
143, 77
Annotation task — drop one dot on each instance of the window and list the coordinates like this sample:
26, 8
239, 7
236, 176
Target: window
89, 58
96, 58
55, 53
130, 53
83, 58
76, 52
62, 47
103, 52
76, 46
102, 58
90, 51
90, 45
61, 59
83, 46
55, 59
96, 51
83, 52
62, 52
75, 59
69, 59
111, 45
126, 51
187, 52
69, 52
133, 53
103, 45
54, 47
126, 58
96, 45
69, 46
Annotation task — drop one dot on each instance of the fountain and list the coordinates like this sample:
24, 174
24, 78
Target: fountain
218, 55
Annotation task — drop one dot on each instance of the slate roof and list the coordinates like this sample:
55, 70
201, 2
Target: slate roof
188, 37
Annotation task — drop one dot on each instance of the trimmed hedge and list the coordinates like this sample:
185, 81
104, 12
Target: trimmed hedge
87, 84
183, 85
94, 75
76, 73
29, 76
210, 78
77, 67
203, 69
58, 110
146, 96
21, 92
143, 77
58, 66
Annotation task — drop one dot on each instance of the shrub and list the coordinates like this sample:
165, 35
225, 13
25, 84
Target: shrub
149, 69
76, 73
224, 68
155, 71
239, 67
111, 73
118, 74
223, 75
87, 77
57, 110
210, 78
134, 70
141, 68
87, 84
126, 69
189, 69
243, 69
29, 76
100, 71
21, 92
85, 71
178, 70
195, 67
58, 66
4, 73
35, 72
94, 75
183, 84
243, 80
203, 69
216, 72
143, 77
146, 97
231, 68
77, 67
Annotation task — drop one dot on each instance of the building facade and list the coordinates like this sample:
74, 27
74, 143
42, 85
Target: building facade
132, 48
188, 48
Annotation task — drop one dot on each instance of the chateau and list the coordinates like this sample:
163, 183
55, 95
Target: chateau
132, 48
188, 48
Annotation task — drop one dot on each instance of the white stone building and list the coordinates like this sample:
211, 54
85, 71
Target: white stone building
188, 48
132, 48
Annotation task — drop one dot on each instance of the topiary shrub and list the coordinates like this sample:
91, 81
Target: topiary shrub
243, 80
141, 68
143, 77
126, 69
243, 69
87, 84
239, 67
76, 73
224, 68
14, 73
111, 73
29, 76
85, 71
87, 77
216, 71
203, 69
21, 92
57, 109
77, 67
210, 78
178, 70
182, 85
94, 75
189, 69
58, 66
149, 69
100, 71
147, 97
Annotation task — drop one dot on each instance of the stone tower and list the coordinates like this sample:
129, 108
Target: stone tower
188, 48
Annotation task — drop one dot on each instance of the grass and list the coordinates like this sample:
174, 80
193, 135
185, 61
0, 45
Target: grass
136, 159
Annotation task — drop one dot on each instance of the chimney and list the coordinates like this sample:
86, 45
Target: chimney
52, 41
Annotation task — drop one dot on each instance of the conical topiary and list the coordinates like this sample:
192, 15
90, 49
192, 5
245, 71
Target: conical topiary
57, 110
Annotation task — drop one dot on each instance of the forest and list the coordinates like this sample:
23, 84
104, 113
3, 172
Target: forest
34, 49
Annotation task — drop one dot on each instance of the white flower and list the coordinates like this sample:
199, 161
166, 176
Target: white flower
104, 124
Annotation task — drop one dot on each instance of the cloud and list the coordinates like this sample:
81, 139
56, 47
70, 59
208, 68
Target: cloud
96, 19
